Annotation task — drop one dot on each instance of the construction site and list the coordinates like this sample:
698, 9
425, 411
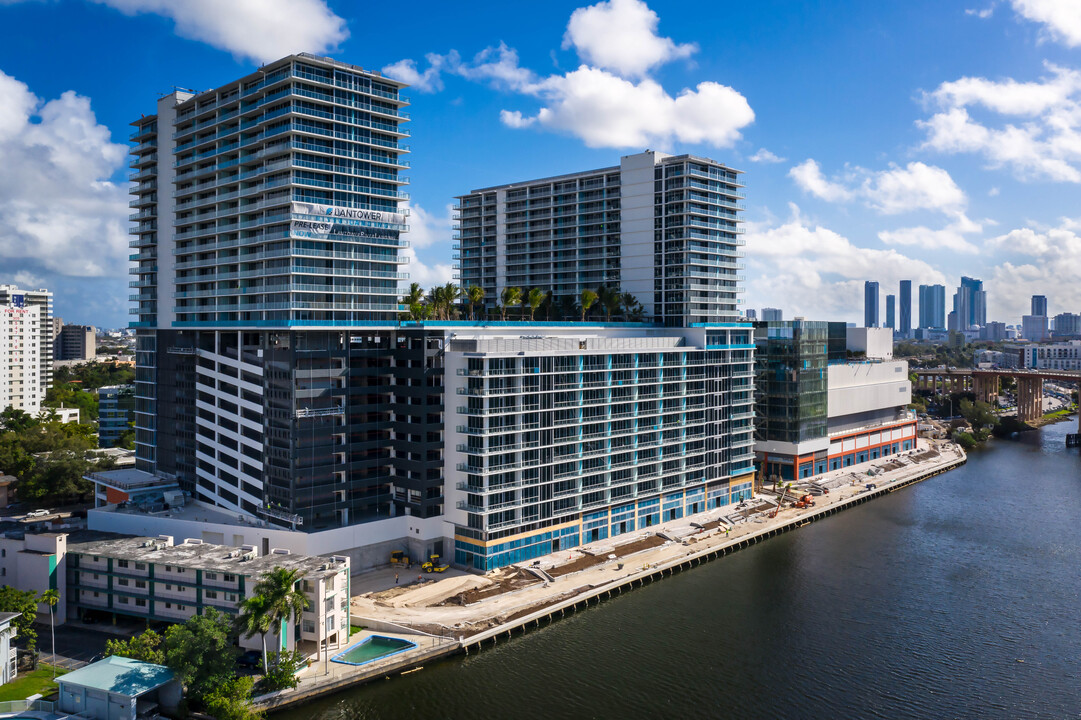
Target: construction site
459, 604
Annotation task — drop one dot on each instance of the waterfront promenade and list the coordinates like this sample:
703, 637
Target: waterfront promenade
428, 612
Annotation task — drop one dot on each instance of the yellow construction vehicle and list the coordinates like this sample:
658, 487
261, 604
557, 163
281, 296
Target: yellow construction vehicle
399, 558
433, 565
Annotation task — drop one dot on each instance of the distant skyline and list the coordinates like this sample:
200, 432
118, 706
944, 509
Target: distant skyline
915, 141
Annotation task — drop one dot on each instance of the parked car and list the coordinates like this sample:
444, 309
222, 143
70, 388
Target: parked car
38, 513
252, 659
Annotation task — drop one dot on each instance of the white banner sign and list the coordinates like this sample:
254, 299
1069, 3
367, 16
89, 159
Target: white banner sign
333, 213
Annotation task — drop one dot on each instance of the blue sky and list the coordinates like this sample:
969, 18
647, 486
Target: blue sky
920, 140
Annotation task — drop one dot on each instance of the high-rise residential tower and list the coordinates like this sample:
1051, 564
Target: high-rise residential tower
774, 314
665, 229
970, 304
1039, 305
933, 306
870, 304
268, 221
904, 310
891, 312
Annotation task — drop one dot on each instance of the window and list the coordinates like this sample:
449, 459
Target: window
123, 600
181, 570
96, 558
140, 602
211, 595
168, 587
211, 576
120, 563
330, 622
168, 568
308, 626
181, 607
231, 597
228, 578
96, 576
140, 583
140, 566
3, 552
95, 593
122, 581
168, 606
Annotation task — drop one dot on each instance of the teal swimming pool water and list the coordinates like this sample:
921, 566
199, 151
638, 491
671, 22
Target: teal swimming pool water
373, 648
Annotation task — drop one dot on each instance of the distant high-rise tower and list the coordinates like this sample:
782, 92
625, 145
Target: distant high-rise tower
891, 312
751, 314
1039, 305
904, 321
773, 314
932, 306
970, 303
870, 304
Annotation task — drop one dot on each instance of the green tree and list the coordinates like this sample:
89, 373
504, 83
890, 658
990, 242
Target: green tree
588, 298
474, 295
17, 421
413, 299
283, 673
451, 293
534, 300
231, 700
25, 603
201, 653
254, 619
511, 296
146, 647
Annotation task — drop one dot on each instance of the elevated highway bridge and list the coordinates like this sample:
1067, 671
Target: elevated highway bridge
986, 385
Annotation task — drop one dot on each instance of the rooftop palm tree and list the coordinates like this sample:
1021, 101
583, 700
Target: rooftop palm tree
629, 303
253, 619
412, 299
588, 298
534, 300
511, 296
610, 300
451, 293
475, 294
51, 597
283, 599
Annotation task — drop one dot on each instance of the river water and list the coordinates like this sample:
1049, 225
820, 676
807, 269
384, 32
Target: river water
959, 597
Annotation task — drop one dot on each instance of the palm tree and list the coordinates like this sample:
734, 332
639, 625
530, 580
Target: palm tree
609, 299
283, 600
475, 294
451, 293
511, 296
254, 619
413, 299
51, 597
629, 303
588, 298
534, 300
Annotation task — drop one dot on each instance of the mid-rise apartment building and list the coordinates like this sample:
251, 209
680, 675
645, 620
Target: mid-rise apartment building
567, 437
159, 580
25, 348
75, 342
116, 409
1067, 325
664, 229
1052, 356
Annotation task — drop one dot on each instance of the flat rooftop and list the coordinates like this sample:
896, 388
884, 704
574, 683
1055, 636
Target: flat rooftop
197, 555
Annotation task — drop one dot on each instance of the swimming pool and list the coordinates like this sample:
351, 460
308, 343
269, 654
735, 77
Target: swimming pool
373, 648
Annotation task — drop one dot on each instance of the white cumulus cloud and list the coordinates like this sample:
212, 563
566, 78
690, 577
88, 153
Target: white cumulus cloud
765, 156
814, 272
429, 236
1037, 261
262, 30
59, 212
621, 36
1035, 130
916, 186
609, 100
1060, 18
